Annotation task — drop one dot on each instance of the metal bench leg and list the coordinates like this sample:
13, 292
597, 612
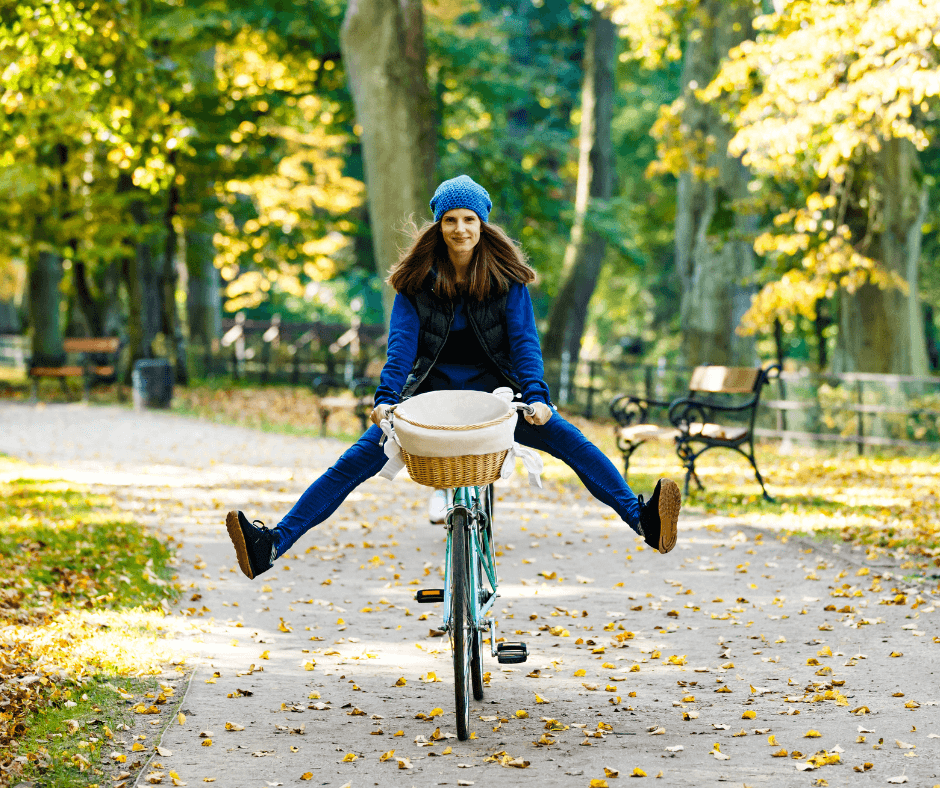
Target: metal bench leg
627, 453
324, 415
687, 457
35, 391
760, 479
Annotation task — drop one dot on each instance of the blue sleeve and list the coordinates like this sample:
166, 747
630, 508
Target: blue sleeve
402, 351
524, 348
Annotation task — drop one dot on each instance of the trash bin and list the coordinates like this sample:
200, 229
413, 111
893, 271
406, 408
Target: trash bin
153, 383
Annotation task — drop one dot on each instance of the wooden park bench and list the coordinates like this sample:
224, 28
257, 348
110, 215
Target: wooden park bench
357, 400
718, 412
94, 359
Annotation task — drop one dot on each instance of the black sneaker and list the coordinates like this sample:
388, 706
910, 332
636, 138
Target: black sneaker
659, 517
255, 544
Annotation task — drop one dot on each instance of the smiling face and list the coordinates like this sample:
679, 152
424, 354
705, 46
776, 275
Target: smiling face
461, 230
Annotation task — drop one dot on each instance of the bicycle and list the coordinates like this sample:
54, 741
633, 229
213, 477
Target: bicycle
469, 593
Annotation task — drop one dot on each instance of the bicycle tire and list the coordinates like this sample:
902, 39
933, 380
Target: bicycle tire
476, 653
476, 647
461, 635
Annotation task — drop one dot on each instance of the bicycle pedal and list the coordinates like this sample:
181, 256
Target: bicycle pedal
508, 653
429, 595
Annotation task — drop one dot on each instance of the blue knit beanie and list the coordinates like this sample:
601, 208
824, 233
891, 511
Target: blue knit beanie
461, 192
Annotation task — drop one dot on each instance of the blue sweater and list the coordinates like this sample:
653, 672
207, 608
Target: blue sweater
524, 349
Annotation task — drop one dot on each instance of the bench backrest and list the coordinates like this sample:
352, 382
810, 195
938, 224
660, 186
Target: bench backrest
724, 380
91, 344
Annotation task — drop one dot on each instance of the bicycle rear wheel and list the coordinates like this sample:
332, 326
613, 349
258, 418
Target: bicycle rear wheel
461, 628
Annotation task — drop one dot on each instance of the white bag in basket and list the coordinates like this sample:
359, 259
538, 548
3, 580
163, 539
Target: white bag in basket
456, 408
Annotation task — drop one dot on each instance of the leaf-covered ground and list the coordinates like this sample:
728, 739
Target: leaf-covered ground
82, 595
739, 657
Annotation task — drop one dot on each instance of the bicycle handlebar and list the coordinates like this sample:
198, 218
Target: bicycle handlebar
524, 407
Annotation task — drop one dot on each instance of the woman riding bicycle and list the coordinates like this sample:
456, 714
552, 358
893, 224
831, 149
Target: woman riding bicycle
462, 319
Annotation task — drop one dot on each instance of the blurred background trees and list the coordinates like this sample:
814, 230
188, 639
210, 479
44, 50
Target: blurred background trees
698, 180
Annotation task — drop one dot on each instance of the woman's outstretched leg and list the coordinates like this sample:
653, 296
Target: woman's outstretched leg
257, 546
654, 520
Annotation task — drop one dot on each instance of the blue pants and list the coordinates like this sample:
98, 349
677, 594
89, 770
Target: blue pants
365, 458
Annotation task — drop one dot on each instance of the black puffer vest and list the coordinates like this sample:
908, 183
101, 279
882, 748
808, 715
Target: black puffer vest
486, 317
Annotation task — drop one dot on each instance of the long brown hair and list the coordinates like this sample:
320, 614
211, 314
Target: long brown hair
497, 261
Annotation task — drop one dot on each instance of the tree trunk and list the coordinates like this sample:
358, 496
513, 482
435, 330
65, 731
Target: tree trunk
98, 301
133, 270
44, 277
882, 330
170, 323
383, 51
584, 255
45, 303
203, 283
713, 251
9, 317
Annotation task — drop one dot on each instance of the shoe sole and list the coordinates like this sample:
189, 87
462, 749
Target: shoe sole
670, 501
238, 539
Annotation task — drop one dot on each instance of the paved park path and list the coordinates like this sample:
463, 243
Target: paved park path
681, 665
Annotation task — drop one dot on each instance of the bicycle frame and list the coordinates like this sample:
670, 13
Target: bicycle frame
470, 500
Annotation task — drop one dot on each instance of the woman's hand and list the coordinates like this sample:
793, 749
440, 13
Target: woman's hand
542, 414
380, 412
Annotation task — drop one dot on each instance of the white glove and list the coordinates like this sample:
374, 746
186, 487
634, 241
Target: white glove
542, 414
379, 412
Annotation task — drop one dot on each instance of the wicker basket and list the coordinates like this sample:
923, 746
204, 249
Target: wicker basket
432, 427
466, 471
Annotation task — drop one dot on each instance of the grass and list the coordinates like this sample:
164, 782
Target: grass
82, 588
70, 743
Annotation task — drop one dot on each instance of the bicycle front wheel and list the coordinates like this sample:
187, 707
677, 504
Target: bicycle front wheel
476, 654
476, 647
461, 626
